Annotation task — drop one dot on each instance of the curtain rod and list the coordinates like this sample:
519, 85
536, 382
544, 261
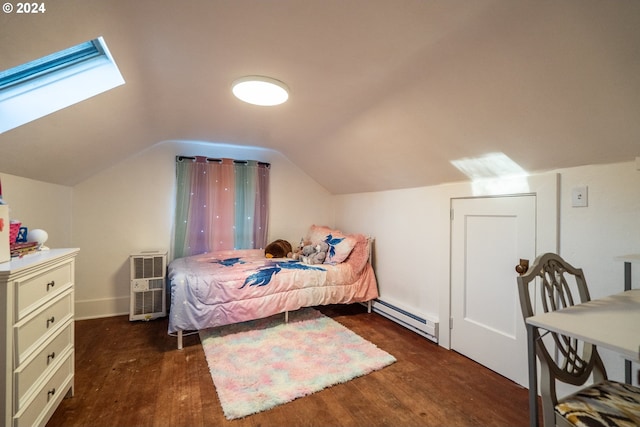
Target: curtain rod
211, 159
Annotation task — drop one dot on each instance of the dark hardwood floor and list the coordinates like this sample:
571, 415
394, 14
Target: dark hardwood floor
131, 374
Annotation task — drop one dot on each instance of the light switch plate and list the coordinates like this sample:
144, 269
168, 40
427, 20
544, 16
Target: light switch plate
579, 197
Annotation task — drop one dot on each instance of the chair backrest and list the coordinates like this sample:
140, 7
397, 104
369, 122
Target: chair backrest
560, 285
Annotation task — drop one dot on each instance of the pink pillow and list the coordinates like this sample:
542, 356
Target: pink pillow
340, 244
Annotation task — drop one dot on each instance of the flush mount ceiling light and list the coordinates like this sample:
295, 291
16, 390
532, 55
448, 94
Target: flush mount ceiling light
260, 90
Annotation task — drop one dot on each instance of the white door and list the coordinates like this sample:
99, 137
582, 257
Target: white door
488, 238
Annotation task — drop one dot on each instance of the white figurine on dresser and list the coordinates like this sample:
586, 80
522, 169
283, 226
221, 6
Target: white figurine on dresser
37, 333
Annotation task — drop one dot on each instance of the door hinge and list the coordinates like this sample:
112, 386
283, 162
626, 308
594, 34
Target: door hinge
451, 214
451, 323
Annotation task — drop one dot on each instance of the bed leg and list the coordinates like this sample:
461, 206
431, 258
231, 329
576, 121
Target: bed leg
286, 317
369, 306
179, 340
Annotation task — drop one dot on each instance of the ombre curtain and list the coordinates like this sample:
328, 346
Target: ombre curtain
220, 205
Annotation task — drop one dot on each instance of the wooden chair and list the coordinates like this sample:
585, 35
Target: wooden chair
569, 360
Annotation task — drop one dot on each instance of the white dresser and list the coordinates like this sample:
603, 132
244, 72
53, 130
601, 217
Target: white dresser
36, 329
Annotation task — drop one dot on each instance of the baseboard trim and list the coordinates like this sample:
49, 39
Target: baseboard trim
98, 308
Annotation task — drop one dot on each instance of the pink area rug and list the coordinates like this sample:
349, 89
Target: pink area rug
263, 363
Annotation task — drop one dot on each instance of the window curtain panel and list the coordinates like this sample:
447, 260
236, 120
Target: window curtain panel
220, 205
251, 204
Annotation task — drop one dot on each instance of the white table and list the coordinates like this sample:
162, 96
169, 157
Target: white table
612, 322
628, 260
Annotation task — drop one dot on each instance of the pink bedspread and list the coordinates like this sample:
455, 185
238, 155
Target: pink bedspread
227, 287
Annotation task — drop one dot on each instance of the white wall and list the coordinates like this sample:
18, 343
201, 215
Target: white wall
409, 246
608, 227
129, 208
41, 205
590, 237
413, 224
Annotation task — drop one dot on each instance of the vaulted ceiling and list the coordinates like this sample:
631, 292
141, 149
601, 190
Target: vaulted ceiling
384, 93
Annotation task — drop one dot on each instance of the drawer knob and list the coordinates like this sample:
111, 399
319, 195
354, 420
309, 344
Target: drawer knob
51, 284
50, 321
50, 393
51, 356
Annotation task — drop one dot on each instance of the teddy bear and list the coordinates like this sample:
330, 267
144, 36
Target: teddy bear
315, 254
296, 253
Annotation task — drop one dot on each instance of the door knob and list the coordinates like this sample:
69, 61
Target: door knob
522, 267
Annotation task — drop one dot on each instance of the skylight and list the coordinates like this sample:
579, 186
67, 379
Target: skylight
51, 83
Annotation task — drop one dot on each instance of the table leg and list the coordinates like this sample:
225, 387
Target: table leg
627, 286
533, 377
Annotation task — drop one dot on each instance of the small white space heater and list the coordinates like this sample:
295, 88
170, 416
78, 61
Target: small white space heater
148, 291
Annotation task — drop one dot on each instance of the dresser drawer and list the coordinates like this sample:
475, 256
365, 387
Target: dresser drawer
42, 363
33, 291
43, 403
37, 328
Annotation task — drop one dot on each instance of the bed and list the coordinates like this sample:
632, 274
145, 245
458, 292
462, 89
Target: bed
225, 287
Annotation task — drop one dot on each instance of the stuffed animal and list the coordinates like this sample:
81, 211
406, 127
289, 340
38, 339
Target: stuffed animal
277, 249
297, 252
315, 254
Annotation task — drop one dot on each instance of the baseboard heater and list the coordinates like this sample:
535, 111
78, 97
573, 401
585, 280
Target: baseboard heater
428, 328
